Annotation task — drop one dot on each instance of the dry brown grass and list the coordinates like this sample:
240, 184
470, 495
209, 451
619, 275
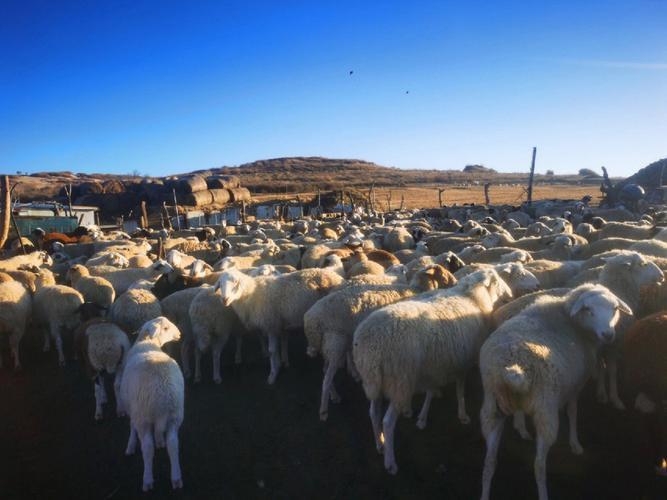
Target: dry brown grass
427, 196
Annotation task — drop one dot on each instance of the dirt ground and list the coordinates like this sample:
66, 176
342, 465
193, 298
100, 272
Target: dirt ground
245, 439
427, 196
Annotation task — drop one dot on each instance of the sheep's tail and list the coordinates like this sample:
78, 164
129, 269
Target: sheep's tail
515, 377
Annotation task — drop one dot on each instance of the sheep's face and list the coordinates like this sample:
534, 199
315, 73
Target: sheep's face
520, 279
597, 311
119, 260
75, 272
538, 229
159, 330
162, 267
230, 288
46, 259
561, 226
585, 229
451, 261
645, 272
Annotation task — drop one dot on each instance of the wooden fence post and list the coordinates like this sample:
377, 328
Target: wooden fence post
486, 193
6, 209
530, 178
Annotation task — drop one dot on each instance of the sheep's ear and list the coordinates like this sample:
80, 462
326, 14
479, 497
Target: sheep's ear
579, 305
623, 307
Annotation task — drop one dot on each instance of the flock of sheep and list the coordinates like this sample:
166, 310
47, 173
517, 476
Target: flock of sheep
406, 304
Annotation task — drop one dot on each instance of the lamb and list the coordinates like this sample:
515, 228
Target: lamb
134, 308
538, 362
330, 323
212, 326
152, 391
420, 344
93, 288
179, 260
103, 347
272, 303
176, 307
32, 259
398, 238
15, 309
121, 279
57, 307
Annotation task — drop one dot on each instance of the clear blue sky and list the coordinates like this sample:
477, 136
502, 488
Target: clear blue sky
167, 87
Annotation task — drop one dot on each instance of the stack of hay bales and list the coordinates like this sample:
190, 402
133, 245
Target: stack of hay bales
199, 191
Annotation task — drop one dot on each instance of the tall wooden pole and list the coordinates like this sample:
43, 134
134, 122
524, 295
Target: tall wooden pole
530, 179
178, 220
6, 209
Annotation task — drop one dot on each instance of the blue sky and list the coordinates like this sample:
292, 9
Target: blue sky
167, 87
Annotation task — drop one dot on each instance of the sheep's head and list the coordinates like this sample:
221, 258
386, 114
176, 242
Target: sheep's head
230, 284
488, 279
516, 256
199, 269
45, 258
510, 224
432, 277
160, 331
451, 261
492, 240
264, 270
561, 226
469, 252
520, 279
585, 229
641, 270
75, 272
174, 257
161, 267
596, 310
538, 229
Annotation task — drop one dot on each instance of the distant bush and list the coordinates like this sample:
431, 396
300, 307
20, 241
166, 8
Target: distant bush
477, 169
550, 172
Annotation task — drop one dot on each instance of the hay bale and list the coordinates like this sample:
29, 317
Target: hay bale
220, 196
223, 182
197, 199
188, 184
113, 186
239, 194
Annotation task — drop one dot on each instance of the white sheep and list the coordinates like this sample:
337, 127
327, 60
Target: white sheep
57, 308
212, 324
398, 238
93, 288
108, 259
32, 259
103, 347
152, 392
176, 307
518, 278
537, 362
134, 308
272, 304
121, 279
15, 310
552, 274
330, 323
421, 344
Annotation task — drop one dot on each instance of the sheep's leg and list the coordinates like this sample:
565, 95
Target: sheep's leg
120, 408
132, 441
601, 391
546, 425
612, 368
216, 350
351, 368
147, 451
186, 350
460, 399
423, 414
492, 428
327, 386
14, 340
388, 428
263, 343
99, 398
575, 445
274, 357
375, 413
520, 426
197, 364
47, 342
238, 358
172, 449
55, 333
284, 349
